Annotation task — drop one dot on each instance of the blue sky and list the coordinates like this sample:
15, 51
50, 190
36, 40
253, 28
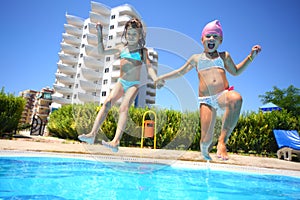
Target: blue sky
31, 33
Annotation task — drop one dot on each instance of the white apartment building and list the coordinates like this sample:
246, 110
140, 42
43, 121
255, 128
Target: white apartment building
85, 76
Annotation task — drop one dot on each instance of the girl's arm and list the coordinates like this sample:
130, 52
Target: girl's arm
191, 63
100, 46
239, 68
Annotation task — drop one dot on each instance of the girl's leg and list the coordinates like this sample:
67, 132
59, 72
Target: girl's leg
123, 114
232, 102
208, 120
115, 94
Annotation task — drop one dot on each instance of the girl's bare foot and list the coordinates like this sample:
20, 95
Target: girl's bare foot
204, 151
222, 151
113, 146
88, 138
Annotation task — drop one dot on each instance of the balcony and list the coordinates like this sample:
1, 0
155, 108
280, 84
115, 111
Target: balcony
68, 59
120, 31
115, 74
100, 8
128, 10
92, 51
151, 93
61, 100
93, 30
69, 49
66, 69
64, 79
73, 30
93, 63
91, 74
150, 99
73, 20
62, 89
150, 85
92, 39
123, 19
95, 18
88, 98
116, 65
90, 86
71, 39
43, 110
44, 103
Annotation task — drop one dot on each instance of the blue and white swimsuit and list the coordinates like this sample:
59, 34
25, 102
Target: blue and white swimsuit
134, 56
205, 63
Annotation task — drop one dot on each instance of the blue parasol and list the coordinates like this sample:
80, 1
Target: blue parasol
269, 107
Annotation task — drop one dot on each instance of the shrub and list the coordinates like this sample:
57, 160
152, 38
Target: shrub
11, 109
175, 130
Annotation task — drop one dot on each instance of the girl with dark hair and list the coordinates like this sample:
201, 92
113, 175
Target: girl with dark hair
132, 55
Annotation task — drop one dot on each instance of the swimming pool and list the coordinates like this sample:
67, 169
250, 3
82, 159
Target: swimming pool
52, 177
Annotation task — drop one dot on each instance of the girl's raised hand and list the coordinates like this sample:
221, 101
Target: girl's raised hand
255, 50
99, 26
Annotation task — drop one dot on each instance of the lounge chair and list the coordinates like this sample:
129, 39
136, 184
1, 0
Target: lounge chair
288, 142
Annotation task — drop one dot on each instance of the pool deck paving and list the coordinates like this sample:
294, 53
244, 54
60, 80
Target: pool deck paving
54, 145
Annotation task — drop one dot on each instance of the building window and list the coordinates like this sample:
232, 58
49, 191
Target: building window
104, 81
107, 59
76, 86
85, 27
94, 93
110, 37
103, 93
84, 36
82, 46
75, 96
81, 55
106, 70
78, 75
113, 16
111, 27
79, 65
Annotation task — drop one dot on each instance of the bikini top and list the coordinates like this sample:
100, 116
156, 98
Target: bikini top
135, 55
206, 63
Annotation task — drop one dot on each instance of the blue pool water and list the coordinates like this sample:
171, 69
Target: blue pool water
71, 178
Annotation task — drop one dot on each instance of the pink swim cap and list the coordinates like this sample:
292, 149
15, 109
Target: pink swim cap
213, 27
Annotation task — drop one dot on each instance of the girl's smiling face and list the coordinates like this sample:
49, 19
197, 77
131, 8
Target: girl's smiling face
211, 42
132, 36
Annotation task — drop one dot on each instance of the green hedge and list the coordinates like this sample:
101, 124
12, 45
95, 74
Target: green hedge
254, 131
11, 109
175, 130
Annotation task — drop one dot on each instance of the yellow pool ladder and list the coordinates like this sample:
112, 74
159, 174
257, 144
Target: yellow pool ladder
148, 128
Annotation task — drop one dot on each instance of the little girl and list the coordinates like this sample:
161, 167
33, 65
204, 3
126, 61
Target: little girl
132, 56
213, 89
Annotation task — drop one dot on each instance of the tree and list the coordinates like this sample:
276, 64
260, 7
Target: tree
11, 108
288, 99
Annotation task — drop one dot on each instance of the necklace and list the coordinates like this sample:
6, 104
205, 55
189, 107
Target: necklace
211, 54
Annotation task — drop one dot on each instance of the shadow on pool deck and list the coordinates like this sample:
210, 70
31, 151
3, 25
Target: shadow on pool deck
48, 144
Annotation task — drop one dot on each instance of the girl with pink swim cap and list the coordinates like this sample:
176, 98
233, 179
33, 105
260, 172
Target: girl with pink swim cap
214, 89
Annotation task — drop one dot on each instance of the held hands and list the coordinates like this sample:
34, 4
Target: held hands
159, 83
